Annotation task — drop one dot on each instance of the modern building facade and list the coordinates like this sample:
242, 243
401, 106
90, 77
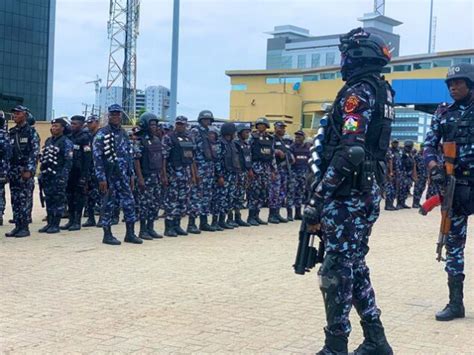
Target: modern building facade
410, 124
293, 47
158, 100
26, 55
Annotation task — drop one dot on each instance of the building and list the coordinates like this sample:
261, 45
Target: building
296, 95
293, 47
26, 55
140, 101
157, 100
109, 97
410, 124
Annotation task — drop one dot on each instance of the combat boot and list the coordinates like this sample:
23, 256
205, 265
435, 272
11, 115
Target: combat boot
389, 206
298, 215
223, 223
90, 219
48, 224
215, 223
130, 236
1, 221
251, 218
109, 238
169, 228
204, 224
192, 228
289, 214
455, 307
151, 229
239, 220
54, 226
272, 217
416, 203
334, 345
23, 231
258, 219
375, 342
13, 232
279, 216
143, 233
177, 227
76, 225
69, 223
230, 220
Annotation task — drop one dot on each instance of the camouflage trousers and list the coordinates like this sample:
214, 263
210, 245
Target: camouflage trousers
3, 200
299, 190
119, 190
54, 190
404, 189
455, 244
201, 194
278, 190
149, 198
240, 189
93, 196
290, 190
419, 188
21, 195
260, 186
390, 189
344, 274
178, 193
226, 194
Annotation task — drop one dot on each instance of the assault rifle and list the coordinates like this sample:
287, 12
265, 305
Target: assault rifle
307, 255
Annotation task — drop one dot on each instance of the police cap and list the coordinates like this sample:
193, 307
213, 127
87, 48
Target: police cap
181, 119
78, 118
20, 108
92, 118
115, 108
279, 124
300, 133
61, 120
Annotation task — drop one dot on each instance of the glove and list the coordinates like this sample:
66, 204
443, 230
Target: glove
437, 175
312, 212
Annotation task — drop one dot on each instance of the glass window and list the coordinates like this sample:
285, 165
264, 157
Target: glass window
441, 63
302, 61
286, 62
307, 120
330, 58
424, 65
386, 70
291, 80
239, 87
272, 81
311, 77
402, 67
315, 59
328, 76
461, 60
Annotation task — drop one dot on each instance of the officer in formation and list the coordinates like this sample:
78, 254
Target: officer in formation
392, 185
344, 208
5, 155
422, 177
25, 143
300, 151
454, 123
408, 174
55, 165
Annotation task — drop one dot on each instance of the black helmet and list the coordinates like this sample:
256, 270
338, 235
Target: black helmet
461, 71
408, 144
243, 127
228, 128
262, 120
205, 114
145, 118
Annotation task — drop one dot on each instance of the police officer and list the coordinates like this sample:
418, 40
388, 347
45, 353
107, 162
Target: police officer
392, 181
25, 144
148, 167
215, 205
201, 195
93, 194
454, 123
355, 143
80, 172
408, 174
56, 162
264, 169
422, 177
5, 155
113, 162
179, 172
300, 150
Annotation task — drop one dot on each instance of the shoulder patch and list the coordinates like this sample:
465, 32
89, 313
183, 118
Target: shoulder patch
352, 124
351, 104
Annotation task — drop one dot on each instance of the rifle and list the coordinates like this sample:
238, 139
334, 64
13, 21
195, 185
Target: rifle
41, 192
307, 255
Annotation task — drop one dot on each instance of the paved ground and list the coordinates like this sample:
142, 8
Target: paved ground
223, 293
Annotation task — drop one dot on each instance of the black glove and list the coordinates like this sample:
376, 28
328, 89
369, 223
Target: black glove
312, 212
437, 175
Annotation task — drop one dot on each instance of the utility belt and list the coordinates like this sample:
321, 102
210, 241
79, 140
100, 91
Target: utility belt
362, 179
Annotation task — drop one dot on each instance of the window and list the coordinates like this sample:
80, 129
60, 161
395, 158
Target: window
315, 59
424, 65
302, 61
311, 77
442, 63
272, 81
328, 76
330, 58
287, 80
402, 67
307, 120
386, 70
461, 60
286, 62
239, 87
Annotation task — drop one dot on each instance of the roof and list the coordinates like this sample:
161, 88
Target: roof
380, 18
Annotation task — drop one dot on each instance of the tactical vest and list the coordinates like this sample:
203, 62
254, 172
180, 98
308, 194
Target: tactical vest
209, 153
407, 162
262, 148
52, 156
231, 156
301, 153
110, 149
281, 145
20, 140
79, 140
152, 158
182, 152
245, 154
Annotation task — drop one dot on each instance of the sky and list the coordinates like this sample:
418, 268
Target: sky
220, 35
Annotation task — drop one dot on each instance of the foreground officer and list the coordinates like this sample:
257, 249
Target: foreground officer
5, 155
454, 124
79, 174
356, 142
93, 194
113, 161
148, 167
25, 144
56, 162
300, 150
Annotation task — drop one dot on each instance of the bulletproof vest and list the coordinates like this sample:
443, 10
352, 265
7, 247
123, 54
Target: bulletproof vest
182, 152
262, 147
301, 153
20, 140
279, 144
245, 154
231, 156
52, 156
152, 158
209, 153
407, 162
110, 148
79, 141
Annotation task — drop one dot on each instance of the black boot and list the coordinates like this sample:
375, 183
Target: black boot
130, 236
389, 206
1, 221
222, 223
272, 216
143, 234
151, 229
230, 220
258, 219
169, 228
298, 215
238, 219
90, 219
76, 225
279, 216
251, 218
289, 214
455, 307
215, 223
109, 238
69, 223
204, 225
177, 227
192, 228
375, 342
416, 203
334, 345
13, 232
48, 224
23, 231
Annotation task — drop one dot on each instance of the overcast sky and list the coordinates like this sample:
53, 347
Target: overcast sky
220, 35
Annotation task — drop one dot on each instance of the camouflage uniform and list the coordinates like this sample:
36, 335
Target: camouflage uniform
227, 168
5, 155
422, 177
406, 178
300, 170
390, 185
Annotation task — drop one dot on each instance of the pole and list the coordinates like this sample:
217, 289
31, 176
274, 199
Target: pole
431, 26
174, 62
